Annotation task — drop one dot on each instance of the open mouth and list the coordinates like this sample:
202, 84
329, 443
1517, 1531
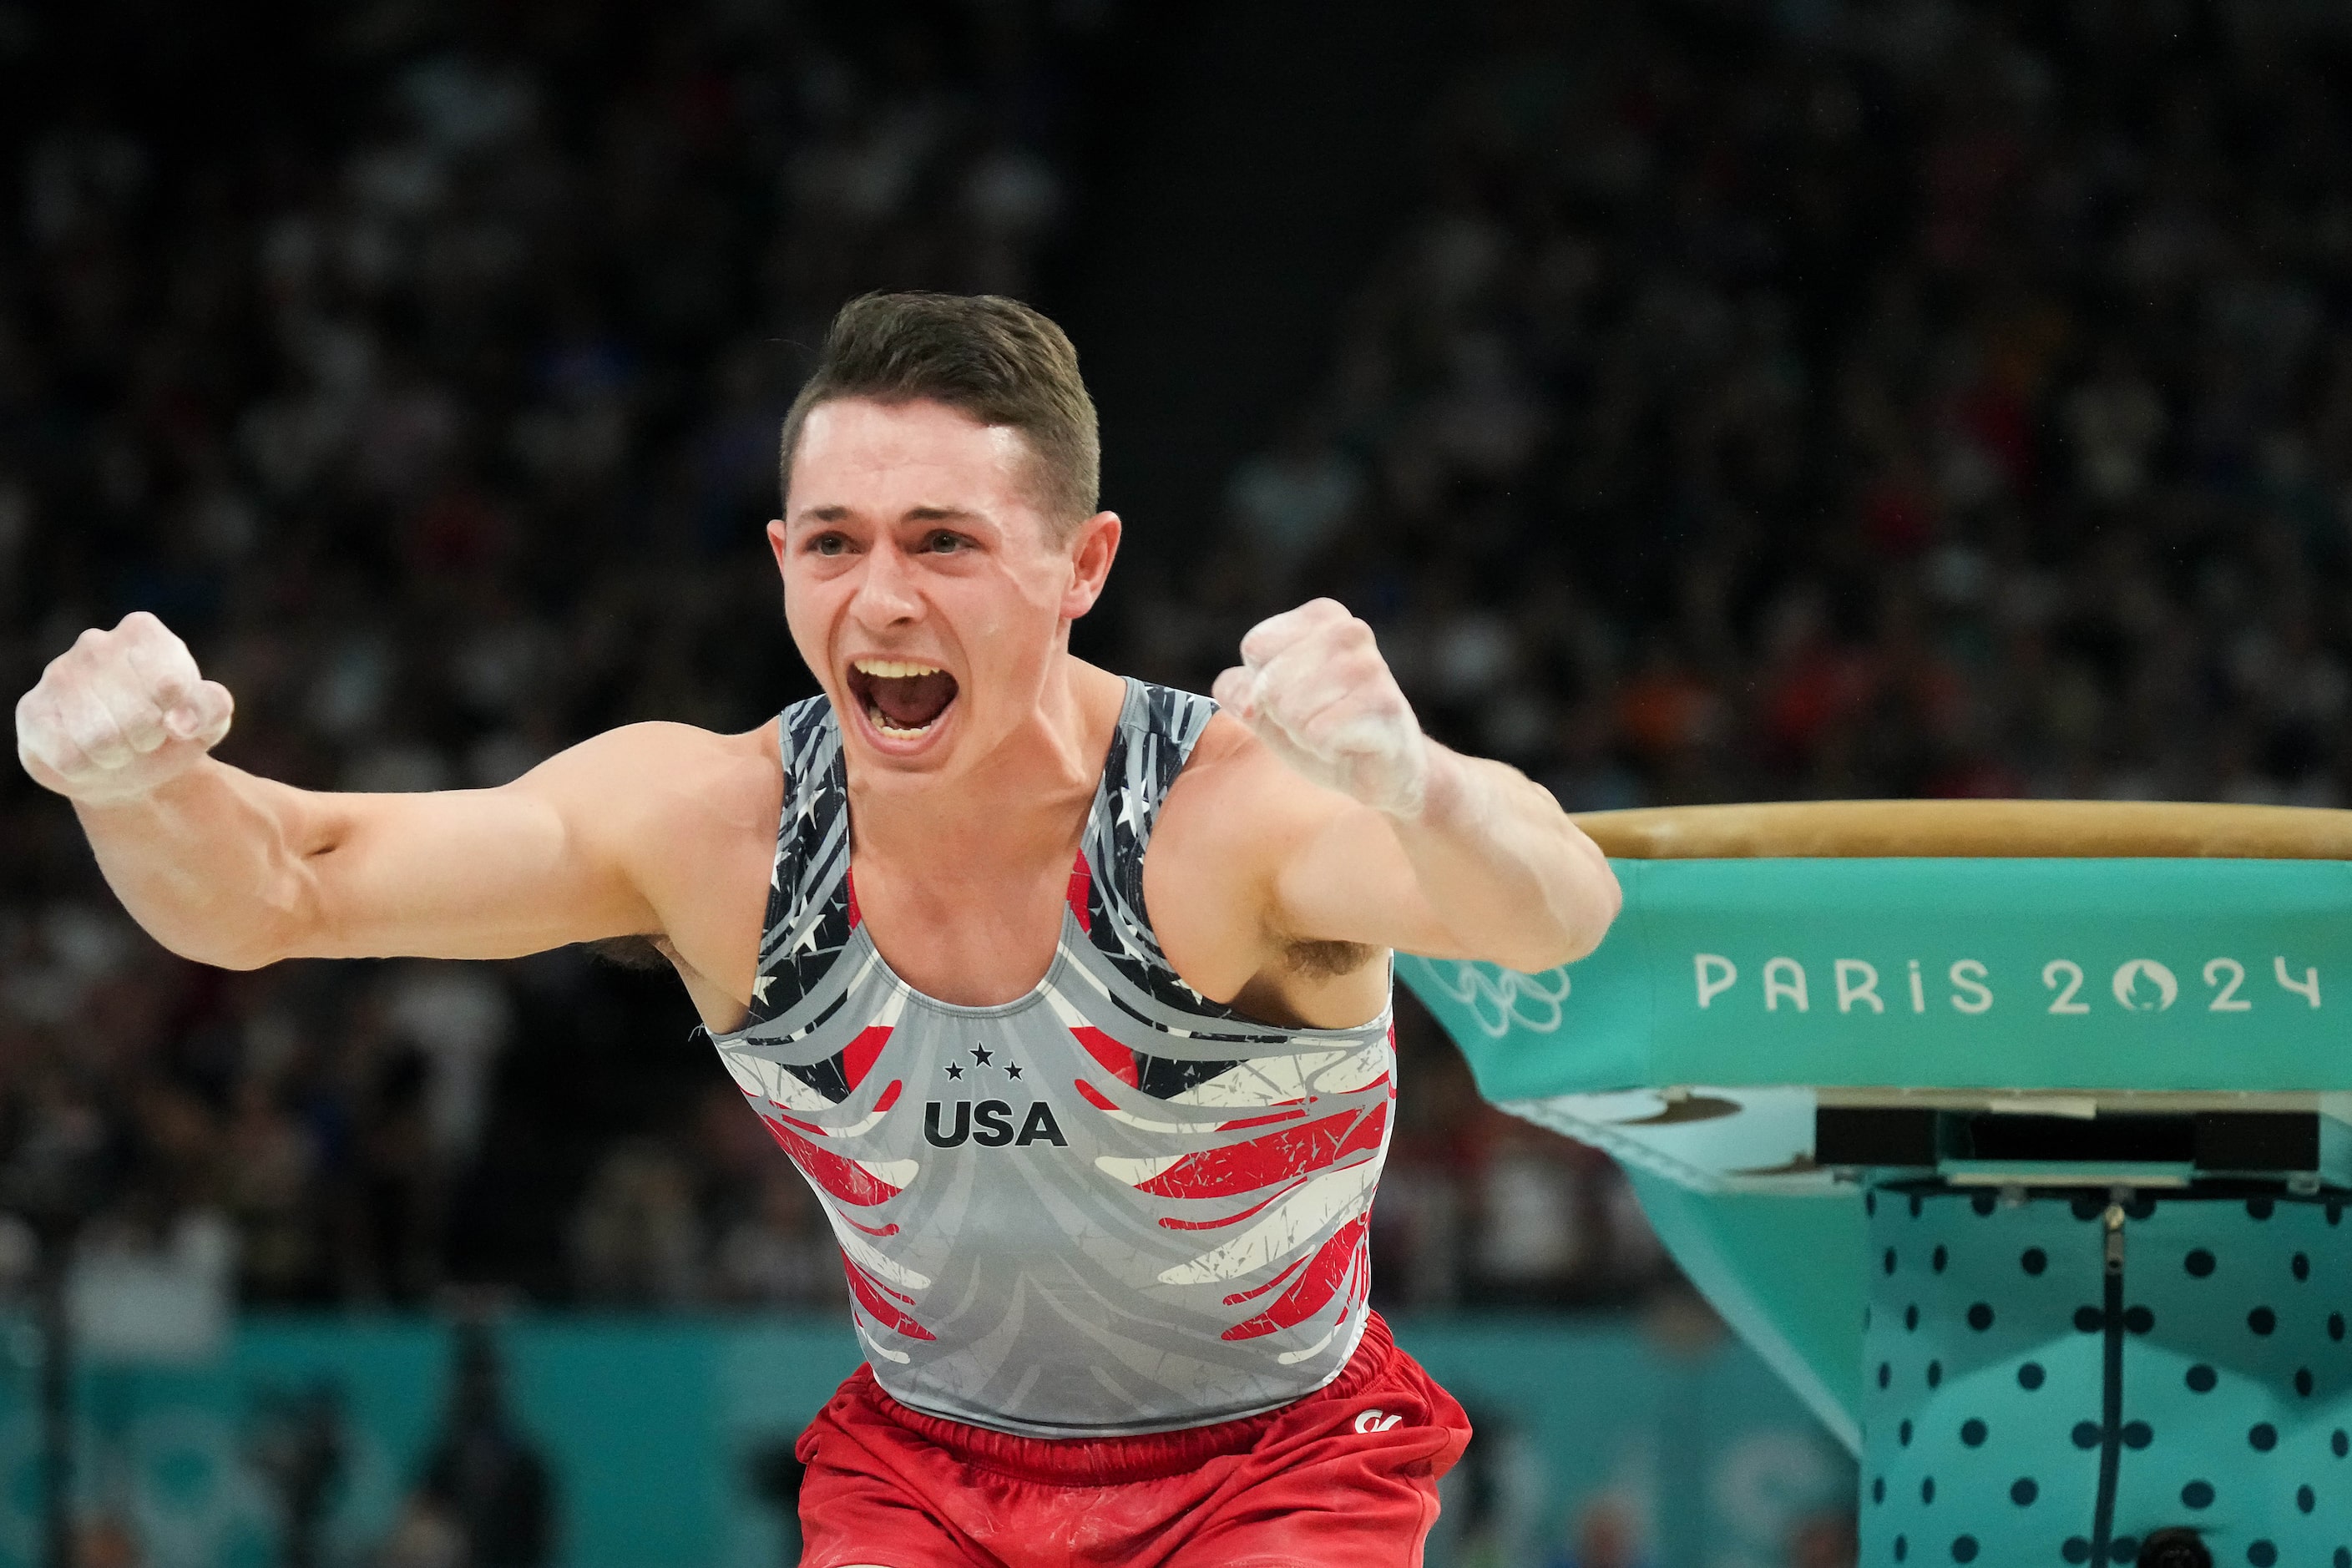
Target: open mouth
901, 699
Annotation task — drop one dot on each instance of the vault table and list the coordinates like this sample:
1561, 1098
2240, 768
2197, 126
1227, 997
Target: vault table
2017, 1136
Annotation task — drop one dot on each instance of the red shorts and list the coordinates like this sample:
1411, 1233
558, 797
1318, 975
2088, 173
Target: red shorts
1346, 1477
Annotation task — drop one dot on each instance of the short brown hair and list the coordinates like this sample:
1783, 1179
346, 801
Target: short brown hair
992, 358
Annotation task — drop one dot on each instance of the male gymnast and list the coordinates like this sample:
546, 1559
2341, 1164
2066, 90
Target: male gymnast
1069, 994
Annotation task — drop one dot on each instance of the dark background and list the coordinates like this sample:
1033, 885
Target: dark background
1704, 399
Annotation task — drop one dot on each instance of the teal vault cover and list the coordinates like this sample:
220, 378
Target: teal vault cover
2203, 976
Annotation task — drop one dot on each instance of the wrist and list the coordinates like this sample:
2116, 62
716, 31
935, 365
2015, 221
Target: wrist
112, 797
1439, 794
129, 789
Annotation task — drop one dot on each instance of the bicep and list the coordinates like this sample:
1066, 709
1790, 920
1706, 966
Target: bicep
1313, 864
1345, 878
492, 873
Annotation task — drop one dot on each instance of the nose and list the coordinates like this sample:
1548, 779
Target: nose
886, 587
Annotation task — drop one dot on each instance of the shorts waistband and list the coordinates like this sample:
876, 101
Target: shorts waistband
1115, 1461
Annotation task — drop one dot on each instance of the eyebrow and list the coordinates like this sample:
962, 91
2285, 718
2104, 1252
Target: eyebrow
838, 514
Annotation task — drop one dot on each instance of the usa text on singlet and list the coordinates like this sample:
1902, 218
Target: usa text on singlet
1109, 1206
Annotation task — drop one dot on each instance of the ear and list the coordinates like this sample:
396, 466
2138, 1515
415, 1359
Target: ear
1091, 553
776, 541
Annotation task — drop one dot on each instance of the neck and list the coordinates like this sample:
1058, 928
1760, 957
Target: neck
1023, 798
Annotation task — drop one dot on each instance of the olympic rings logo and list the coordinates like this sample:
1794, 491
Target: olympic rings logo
1500, 998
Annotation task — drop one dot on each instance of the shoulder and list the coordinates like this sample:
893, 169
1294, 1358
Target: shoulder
1235, 819
642, 776
1231, 820
1235, 789
689, 817
659, 748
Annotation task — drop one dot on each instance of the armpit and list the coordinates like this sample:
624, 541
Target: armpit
631, 952
1326, 960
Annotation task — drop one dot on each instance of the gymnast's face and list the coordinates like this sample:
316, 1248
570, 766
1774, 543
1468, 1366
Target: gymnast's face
923, 583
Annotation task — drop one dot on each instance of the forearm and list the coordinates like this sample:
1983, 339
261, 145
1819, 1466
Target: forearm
1502, 867
240, 871
211, 863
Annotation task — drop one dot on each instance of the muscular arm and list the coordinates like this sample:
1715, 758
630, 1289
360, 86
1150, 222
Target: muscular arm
1489, 868
1346, 825
652, 829
240, 871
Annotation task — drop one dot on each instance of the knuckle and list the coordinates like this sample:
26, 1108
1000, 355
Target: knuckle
166, 681
86, 719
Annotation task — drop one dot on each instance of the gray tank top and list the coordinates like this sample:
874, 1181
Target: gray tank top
1109, 1206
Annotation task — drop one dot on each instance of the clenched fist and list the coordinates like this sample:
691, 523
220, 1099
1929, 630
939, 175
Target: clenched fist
1314, 688
119, 713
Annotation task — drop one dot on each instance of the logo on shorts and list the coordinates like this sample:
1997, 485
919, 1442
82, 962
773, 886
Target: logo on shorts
1376, 1420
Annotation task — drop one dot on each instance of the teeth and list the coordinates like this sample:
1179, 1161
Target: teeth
893, 668
874, 716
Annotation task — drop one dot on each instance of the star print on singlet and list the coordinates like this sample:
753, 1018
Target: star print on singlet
1110, 1206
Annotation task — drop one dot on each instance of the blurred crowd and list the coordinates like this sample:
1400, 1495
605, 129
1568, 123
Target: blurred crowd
1826, 400
432, 399
1815, 398
1833, 399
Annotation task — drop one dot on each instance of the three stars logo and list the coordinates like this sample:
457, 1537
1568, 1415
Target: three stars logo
983, 1056
990, 1122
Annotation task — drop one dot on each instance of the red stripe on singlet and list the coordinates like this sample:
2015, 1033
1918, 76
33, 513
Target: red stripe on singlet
1082, 882
1117, 1059
858, 1056
1315, 1287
